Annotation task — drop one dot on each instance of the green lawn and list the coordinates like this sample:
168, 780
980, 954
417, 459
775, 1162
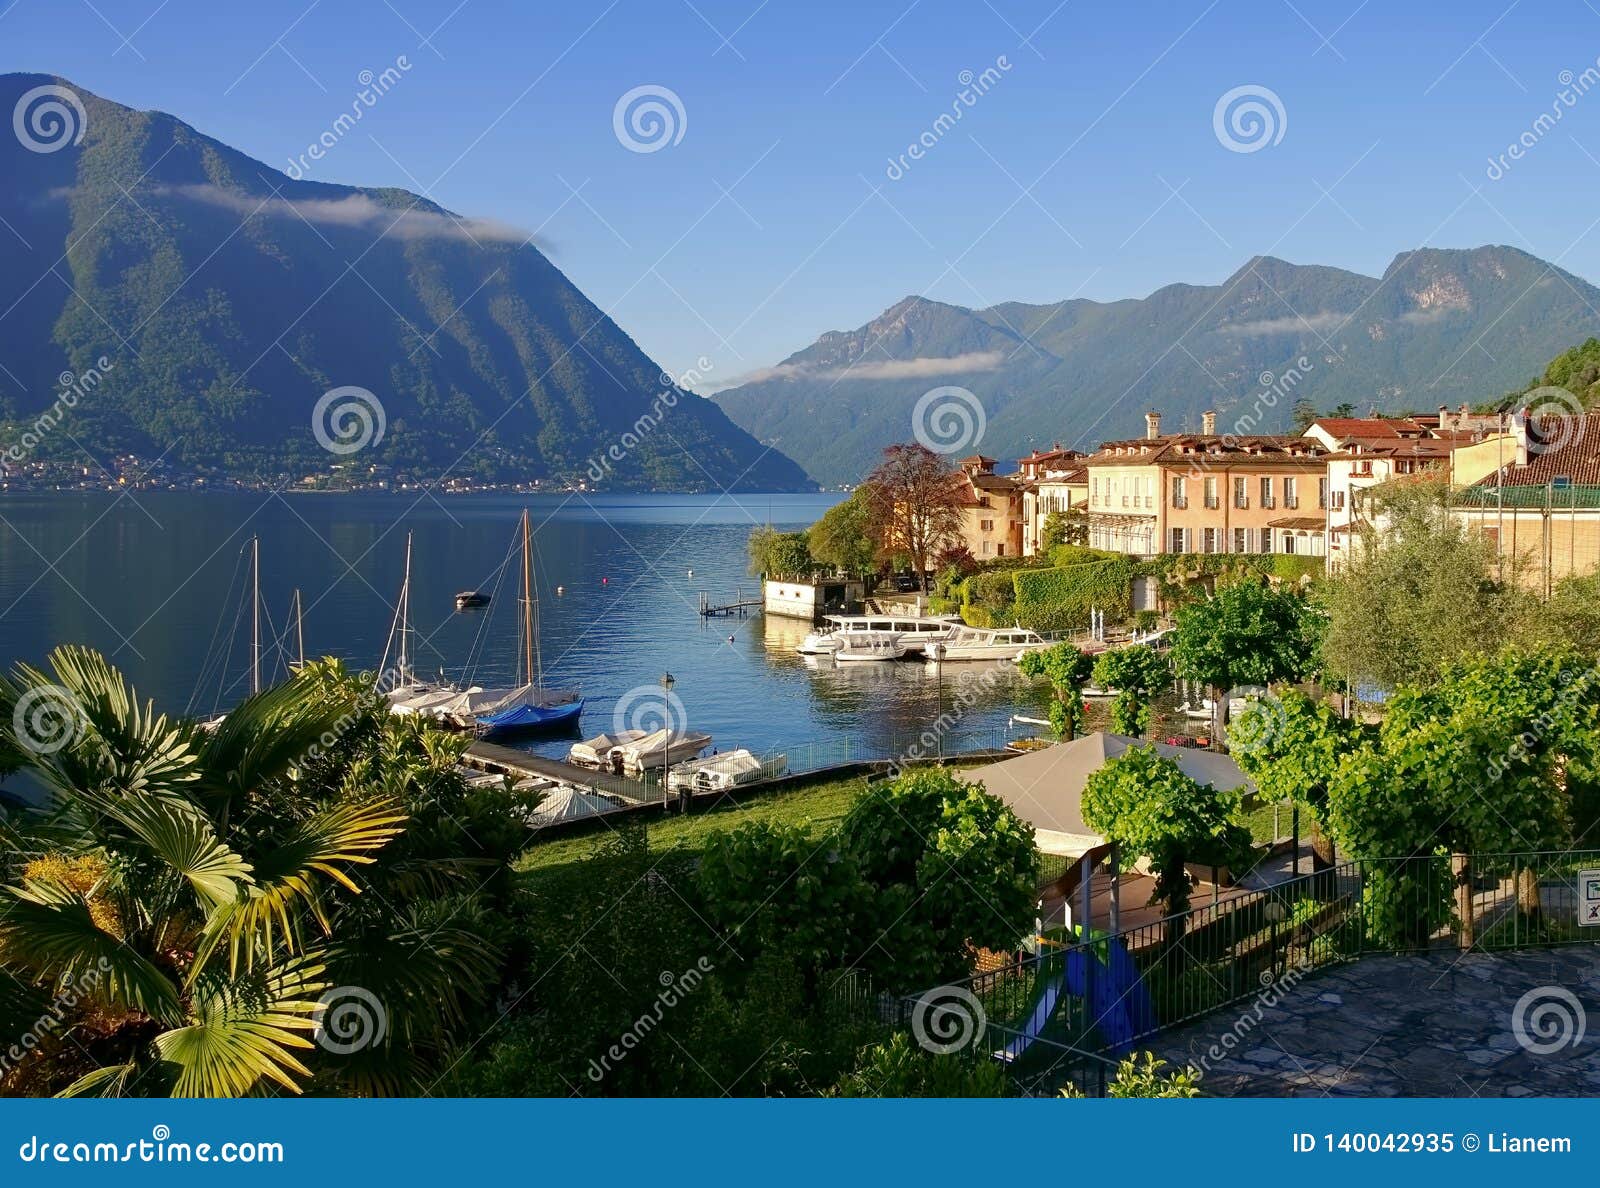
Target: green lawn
816, 806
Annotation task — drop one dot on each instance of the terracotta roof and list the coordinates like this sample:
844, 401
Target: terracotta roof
995, 482
1373, 427
1562, 448
1191, 449
1299, 523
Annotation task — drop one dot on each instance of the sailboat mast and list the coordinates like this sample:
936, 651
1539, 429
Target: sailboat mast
299, 628
405, 613
255, 614
530, 635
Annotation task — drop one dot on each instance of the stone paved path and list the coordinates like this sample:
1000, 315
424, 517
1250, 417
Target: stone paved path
1421, 1025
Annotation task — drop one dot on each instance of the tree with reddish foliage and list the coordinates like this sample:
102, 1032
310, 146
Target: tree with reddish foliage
916, 499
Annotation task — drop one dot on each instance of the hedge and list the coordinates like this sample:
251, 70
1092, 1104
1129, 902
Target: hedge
1060, 598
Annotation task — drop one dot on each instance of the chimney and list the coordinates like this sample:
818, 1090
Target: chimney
1152, 424
1519, 430
1444, 417
1208, 422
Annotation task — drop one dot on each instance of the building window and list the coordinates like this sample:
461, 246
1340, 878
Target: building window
1176, 541
1209, 540
1336, 500
988, 548
1264, 543
1322, 493
1266, 492
986, 525
1241, 494
1241, 540
1000, 550
1180, 495
1211, 491
1288, 542
1291, 497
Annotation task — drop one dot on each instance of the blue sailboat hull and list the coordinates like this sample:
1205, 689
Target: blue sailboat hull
532, 717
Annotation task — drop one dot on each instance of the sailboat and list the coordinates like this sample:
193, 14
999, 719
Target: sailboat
529, 706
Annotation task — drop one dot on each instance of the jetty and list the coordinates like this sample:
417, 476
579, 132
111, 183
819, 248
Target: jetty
493, 757
740, 606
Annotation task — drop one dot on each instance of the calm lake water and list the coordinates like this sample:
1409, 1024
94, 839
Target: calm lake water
161, 585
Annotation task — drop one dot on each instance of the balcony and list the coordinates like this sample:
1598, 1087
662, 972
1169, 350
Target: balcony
1180, 502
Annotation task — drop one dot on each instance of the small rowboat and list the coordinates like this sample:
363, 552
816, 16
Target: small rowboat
467, 599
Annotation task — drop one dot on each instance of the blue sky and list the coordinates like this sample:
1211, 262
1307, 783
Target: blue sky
1090, 167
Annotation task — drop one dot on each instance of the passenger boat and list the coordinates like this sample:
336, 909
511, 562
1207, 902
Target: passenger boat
989, 643
467, 599
660, 747
858, 646
914, 630
596, 752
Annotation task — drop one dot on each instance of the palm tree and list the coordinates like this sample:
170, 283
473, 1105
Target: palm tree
191, 892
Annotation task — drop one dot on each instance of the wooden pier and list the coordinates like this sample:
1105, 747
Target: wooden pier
740, 606
494, 757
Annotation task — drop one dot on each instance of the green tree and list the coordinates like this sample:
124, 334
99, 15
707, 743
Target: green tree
1136, 673
1247, 633
948, 866
1493, 757
1419, 591
1152, 809
1064, 527
843, 538
779, 554
1290, 746
1068, 671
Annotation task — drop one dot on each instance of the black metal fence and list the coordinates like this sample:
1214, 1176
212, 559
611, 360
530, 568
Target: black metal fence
1057, 1014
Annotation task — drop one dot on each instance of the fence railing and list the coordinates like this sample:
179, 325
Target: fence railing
1079, 999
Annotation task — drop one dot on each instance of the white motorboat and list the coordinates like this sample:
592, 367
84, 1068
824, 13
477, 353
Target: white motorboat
660, 747
915, 630
717, 773
1203, 711
857, 646
596, 752
988, 643
1095, 693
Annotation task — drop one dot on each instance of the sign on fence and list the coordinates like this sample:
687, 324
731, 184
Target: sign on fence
1589, 898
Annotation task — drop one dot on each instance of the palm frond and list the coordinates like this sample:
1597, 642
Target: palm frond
341, 835
108, 737
48, 929
181, 836
268, 735
245, 1031
110, 1081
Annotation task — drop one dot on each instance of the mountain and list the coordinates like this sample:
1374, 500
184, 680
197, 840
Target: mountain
1439, 327
227, 298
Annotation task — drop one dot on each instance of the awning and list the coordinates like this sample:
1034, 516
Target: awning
1299, 523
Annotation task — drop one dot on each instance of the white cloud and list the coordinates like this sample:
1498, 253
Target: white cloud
1317, 323
875, 369
357, 211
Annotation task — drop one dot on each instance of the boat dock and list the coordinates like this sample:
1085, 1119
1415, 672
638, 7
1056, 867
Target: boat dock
740, 605
494, 757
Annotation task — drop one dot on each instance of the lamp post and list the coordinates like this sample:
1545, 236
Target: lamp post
666, 729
